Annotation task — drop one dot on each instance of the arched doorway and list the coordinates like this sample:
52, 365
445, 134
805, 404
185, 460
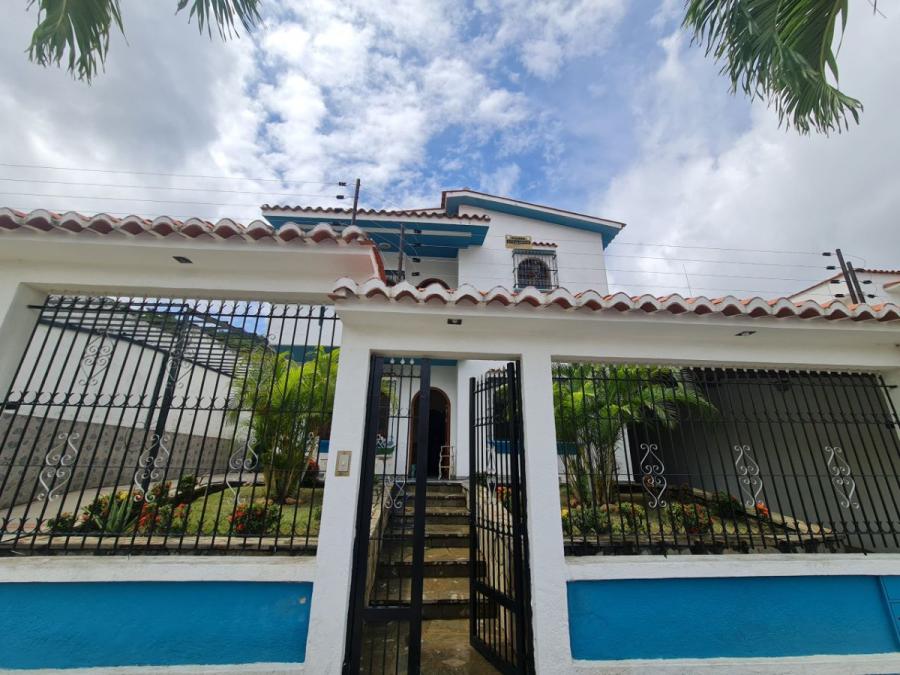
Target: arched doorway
438, 433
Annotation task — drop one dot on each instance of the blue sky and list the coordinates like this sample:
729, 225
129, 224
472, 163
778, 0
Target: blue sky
600, 106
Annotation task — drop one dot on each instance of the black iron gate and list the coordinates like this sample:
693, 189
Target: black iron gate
385, 622
500, 604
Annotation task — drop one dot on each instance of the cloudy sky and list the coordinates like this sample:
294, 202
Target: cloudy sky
600, 106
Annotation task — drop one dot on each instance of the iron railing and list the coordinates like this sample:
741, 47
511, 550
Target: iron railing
665, 459
140, 425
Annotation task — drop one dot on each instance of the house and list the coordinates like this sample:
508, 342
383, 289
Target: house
525, 471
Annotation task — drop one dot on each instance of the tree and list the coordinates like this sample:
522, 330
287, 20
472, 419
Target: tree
594, 404
780, 51
286, 406
78, 30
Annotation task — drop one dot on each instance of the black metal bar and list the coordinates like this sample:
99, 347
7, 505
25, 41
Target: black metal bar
418, 552
847, 279
353, 648
473, 511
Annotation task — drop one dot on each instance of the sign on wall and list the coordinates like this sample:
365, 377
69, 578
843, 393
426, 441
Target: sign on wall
518, 241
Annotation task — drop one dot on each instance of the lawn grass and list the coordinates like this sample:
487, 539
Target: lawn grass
209, 515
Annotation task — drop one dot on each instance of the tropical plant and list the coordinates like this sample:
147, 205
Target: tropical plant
78, 30
286, 406
118, 516
592, 416
781, 52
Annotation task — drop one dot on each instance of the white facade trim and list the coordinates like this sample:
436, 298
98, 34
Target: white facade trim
750, 565
819, 665
82, 569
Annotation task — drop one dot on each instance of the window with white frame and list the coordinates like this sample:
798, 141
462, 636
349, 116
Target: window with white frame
534, 267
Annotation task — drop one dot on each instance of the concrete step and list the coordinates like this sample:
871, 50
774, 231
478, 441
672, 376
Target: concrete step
395, 562
447, 515
447, 536
442, 488
442, 597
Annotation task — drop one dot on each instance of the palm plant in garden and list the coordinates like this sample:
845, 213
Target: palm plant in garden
286, 406
593, 405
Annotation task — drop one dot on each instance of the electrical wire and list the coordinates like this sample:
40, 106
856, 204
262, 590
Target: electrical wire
162, 187
172, 175
131, 199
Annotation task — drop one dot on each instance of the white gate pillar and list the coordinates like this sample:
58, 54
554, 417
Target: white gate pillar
549, 605
16, 323
334, 554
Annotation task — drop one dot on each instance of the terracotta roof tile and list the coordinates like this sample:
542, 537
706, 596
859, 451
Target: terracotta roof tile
194, 228
347, 289
409, 213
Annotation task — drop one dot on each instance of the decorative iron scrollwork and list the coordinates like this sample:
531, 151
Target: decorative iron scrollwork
241, 460
841, 479
59, 462
395, 501
748, 475
151, 466
96, 358
654, 481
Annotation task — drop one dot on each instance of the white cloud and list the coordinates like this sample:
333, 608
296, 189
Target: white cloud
697, 181
503, 181
549, 33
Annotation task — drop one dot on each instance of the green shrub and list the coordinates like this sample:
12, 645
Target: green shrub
726, 506
691, 518
255, 518
64, 522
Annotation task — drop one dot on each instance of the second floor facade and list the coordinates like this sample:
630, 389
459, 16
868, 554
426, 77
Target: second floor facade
477, 239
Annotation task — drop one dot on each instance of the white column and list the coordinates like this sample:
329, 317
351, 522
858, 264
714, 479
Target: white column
16, 324
549, 606
331, 592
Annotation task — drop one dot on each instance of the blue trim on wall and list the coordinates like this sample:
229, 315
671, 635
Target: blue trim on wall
572, 220
729, 617
72, 625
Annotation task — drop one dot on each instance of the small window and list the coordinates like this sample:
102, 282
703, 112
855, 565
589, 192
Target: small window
535, 268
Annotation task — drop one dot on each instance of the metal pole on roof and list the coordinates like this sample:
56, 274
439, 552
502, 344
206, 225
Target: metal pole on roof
355, 202
855, 279
400, 261
847, 278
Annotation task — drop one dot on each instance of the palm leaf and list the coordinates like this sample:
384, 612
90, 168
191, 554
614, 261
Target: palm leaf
77, 31
781, 52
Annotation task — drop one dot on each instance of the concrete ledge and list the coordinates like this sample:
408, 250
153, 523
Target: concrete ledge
746, 565
275, 668
820, 665
169, 568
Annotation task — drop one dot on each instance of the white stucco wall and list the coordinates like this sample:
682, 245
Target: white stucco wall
579, 254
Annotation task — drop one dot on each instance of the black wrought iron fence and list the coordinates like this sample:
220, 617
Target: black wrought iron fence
666, 459
142, 425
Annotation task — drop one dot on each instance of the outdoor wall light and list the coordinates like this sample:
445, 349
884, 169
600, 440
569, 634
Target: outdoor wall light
454, 322
181, 259
745, 333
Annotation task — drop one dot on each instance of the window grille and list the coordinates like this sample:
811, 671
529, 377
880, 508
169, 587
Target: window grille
535, 268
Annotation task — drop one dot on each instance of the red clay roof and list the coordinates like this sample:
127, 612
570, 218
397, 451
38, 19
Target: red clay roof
408, 213
616, 302
102, 224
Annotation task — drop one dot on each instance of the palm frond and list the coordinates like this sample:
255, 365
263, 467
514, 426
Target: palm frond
76, 30
781, 52
225, 15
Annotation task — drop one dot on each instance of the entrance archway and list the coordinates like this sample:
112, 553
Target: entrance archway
438, 434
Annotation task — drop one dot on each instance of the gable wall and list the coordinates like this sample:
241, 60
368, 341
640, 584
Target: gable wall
579, 254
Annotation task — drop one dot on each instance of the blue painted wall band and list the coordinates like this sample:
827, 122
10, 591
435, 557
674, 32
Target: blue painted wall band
731, 617
71, 625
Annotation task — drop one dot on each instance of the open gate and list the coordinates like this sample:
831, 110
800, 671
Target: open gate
385, 621
499, 595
